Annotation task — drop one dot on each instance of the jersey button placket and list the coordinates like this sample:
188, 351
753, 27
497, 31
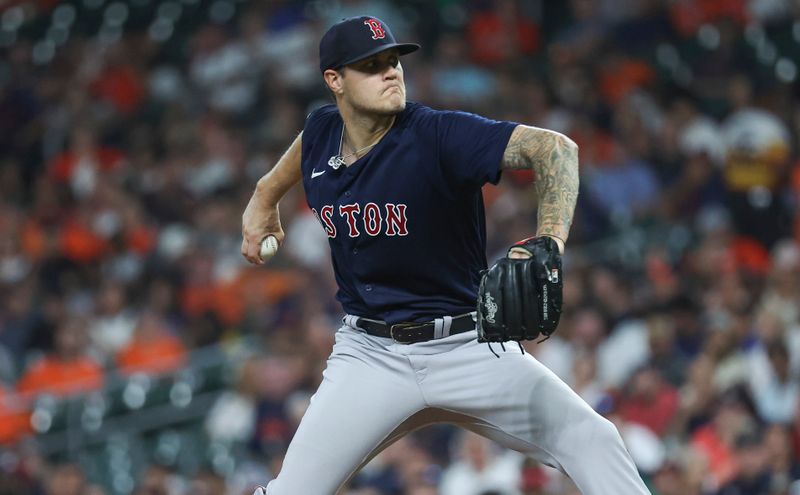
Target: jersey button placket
347, 195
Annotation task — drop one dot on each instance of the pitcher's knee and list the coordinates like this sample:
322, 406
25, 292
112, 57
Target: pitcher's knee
596, 432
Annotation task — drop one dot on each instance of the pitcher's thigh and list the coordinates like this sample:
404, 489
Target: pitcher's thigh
521, 404
516, 397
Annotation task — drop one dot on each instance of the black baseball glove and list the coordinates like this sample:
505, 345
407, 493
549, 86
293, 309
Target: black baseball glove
520, 299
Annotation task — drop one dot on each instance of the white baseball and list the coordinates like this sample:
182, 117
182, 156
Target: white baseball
269, 246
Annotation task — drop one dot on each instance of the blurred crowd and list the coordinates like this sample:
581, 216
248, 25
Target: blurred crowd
132, 134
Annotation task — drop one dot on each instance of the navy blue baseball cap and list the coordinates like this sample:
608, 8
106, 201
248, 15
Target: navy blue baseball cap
357, 38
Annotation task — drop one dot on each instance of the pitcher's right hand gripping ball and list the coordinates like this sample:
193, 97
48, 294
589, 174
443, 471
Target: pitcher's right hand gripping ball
520, 299
269, 246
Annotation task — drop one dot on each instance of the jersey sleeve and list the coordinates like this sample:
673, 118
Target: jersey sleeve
314, 121
471, 147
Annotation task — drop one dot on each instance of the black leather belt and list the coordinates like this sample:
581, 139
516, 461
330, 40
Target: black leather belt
410, 332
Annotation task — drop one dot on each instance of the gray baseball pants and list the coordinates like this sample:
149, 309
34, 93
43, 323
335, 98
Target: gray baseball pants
375, 390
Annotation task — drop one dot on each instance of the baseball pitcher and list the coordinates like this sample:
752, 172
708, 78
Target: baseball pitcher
396, 186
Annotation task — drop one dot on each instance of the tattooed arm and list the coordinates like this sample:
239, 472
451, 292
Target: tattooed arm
554, 160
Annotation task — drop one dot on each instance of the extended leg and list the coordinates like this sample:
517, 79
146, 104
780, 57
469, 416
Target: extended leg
518, 402
365, 395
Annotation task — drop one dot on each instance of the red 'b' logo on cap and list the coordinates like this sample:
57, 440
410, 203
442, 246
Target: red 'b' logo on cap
377, 30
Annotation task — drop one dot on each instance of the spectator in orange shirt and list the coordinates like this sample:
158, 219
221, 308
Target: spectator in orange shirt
716, 440
14, 422
79, 165
649, 401
119, 82
152, 350
68, 369
501, 34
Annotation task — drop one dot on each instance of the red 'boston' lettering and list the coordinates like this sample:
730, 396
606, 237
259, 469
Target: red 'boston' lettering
396, 219
350, 211
327, 222
392, 223
372, 219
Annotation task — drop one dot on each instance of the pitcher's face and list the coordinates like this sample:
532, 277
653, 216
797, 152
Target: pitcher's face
375, 85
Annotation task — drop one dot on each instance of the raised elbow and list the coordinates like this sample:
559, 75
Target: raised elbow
569, 144
568, 151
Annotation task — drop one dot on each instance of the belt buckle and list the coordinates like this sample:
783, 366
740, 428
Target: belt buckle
401, 326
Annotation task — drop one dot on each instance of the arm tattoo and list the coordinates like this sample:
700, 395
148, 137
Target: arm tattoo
554, 160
